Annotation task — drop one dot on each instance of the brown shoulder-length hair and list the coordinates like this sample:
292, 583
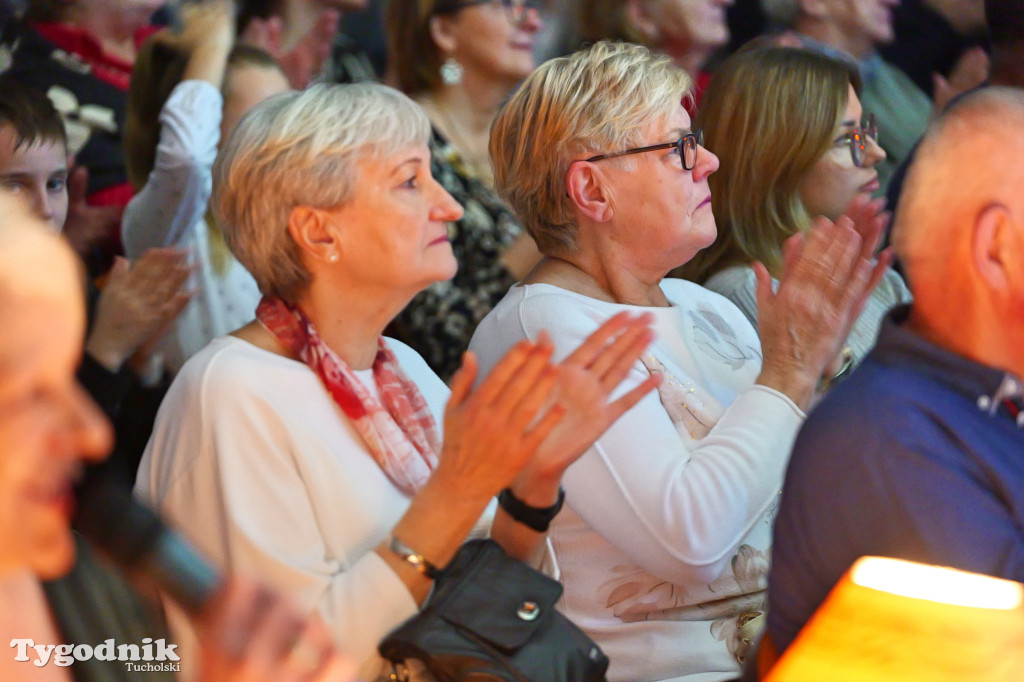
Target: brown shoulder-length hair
414, 60
769, 114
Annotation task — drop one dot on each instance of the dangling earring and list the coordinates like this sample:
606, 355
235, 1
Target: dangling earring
451, 72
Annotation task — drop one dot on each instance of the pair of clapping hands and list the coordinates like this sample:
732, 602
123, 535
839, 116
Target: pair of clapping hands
534, 418
138, 303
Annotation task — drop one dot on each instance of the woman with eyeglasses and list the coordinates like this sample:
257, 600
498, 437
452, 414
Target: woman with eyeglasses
793, 142
664, 539
459, 59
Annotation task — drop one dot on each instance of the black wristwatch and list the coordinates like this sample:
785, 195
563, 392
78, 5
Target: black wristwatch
536, 518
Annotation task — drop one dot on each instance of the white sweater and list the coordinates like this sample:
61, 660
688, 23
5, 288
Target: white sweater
170, 211
665, 535
252, 459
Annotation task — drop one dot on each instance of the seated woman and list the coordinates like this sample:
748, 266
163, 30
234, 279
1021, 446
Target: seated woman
187, 93
663, 545
761, 100
459, 61
307, 449
49, 429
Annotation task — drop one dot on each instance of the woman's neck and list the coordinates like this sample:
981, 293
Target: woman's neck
350, 320
599, 279
463, 113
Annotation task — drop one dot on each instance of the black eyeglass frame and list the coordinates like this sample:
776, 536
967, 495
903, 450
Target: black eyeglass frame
857, 141
515, 10
696, 138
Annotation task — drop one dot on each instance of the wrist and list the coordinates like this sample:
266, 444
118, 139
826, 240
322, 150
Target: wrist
838, 370
797, 384
108, 356
537, 519
537, 490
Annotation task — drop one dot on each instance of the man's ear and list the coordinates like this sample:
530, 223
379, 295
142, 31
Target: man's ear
587, 189
313, 233
996, 245
441, 34
639, 16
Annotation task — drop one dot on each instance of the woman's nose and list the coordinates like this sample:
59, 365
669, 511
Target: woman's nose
873, 152
445, 207
707, 163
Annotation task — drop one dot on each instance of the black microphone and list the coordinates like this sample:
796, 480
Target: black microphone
136, 540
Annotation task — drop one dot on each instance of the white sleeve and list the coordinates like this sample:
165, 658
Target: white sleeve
177, 192
222, 465
678, 508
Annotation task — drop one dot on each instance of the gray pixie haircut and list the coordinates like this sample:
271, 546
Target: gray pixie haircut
599, 99
302, 149
781, 12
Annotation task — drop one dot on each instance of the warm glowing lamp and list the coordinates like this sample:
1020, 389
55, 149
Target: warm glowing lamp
892, 620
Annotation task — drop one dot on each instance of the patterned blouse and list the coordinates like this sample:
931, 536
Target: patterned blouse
439, 322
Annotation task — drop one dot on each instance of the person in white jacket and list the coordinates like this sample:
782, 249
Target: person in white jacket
188, 91
664, 543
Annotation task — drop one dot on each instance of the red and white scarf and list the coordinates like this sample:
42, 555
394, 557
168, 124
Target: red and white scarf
401, 435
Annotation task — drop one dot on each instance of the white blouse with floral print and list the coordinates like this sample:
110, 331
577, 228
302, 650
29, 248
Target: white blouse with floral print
663, 545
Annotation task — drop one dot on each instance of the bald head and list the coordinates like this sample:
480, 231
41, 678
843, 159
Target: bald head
960, 229
970, 159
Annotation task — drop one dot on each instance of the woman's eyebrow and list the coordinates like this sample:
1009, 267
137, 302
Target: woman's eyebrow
415, 161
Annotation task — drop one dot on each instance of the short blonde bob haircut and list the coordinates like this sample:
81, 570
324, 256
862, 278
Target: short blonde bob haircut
302, 149
600, 99
769, 114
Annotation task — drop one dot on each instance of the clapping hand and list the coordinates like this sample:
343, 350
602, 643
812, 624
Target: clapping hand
138, 304
251, 634
586, 380
828, 275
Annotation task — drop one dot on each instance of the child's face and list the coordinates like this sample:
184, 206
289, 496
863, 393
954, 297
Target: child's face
39, 173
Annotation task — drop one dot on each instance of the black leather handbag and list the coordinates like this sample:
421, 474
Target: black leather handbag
492, 618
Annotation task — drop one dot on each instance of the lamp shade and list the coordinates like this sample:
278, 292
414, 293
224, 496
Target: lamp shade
890, 620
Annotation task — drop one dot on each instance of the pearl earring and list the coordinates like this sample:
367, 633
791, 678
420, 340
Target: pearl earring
451, 72
333, 257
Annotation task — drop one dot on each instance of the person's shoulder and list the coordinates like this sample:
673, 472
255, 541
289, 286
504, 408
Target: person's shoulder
228, 368
722, 303
412, 363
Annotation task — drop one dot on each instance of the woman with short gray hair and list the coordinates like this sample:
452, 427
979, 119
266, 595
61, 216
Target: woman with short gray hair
308, 449
664, 550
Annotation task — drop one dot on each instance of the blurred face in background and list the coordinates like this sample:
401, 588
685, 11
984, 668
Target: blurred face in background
834, 180
865, 20
48, 425
38, 172
691, 24
488, 43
